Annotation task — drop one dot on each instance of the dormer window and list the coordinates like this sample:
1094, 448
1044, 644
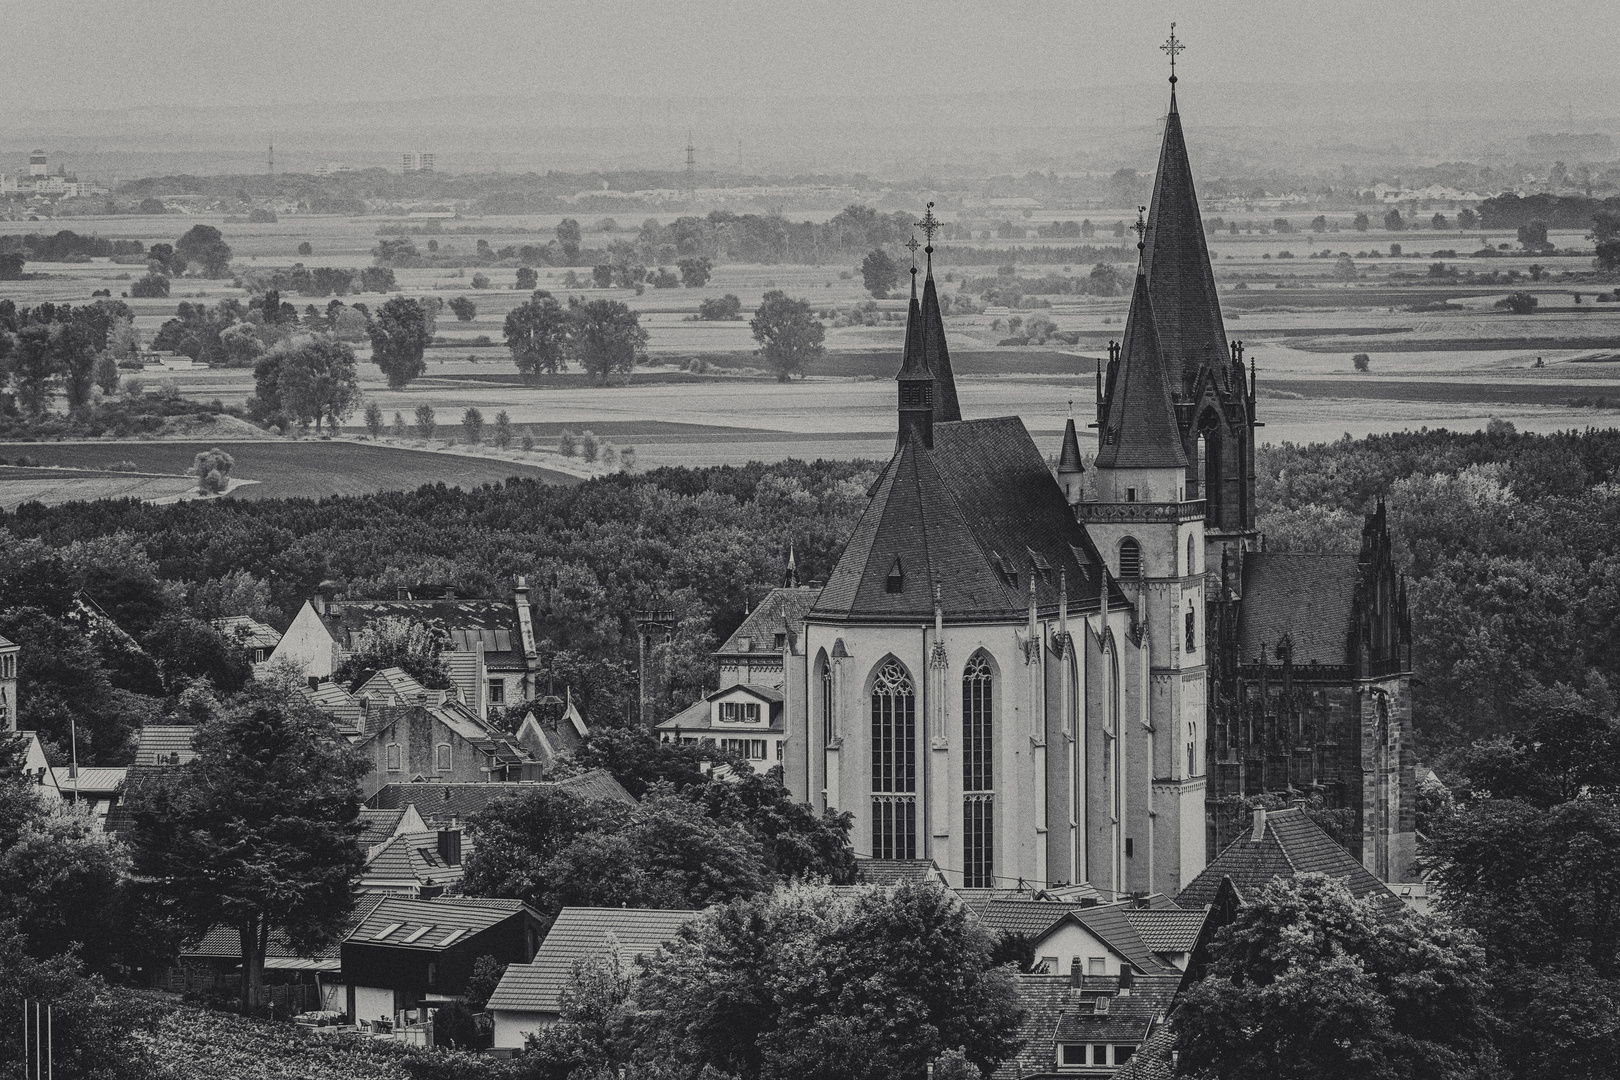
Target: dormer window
739, 712
1008, 574
897, 577
779, 642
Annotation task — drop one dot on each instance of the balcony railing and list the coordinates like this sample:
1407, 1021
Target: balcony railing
1186, 510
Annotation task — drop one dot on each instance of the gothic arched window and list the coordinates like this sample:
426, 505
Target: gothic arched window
1130, 559
894, 763
824, 671
978, 781
1192, 555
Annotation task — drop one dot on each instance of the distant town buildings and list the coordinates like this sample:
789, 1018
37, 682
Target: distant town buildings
417, 162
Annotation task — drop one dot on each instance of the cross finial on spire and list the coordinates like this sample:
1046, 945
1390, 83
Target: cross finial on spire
929, 225
1174, 47
1141, 228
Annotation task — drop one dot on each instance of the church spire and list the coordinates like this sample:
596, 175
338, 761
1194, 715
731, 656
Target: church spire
935, 352
1140, 429
1188, 311
915, 379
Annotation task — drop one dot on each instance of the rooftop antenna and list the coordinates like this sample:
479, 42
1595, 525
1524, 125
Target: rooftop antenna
1174, 48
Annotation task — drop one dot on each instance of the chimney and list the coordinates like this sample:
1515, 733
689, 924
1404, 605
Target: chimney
1074, 971
450, 847
1258, 832
1126, 979
520, 594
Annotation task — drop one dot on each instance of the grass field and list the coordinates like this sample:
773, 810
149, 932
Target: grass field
53, 486
290, 469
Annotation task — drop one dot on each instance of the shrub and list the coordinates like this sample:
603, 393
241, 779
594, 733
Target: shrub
480, 281
1361, 361
527, 442
567, 443
305, 249
720, 308
212, 468
588, 446
398, 429
1519, 303
374, 419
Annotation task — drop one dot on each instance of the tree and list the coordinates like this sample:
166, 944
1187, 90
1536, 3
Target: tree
1319, 223
536, 332
720, 308
1519, 303
1393, 221
11, 266
374, 420
694, 272
1361, 361
1360, 223
879, 274
472, 425
798, 843
464, 308
1606, 231
105, 373
893, 976
568, 235
1310, 982
395, 641
212, 468
202, 245
1439, 223
189, 651
602, 275
93, 1032
515, 839
35, 369
503, 430
527, 279
318, 379
397, 429
424, 421
305, 249
789, 334
399, 337
1467, 218
1344, 269
605, 337
150, 287
258, 833
1533, 236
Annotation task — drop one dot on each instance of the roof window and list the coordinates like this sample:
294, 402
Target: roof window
416, 935
897, 577
385, 931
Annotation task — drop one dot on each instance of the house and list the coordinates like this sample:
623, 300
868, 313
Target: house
529, 995
408, 954
377, 827
336, 702
164, 744
444, 743
1284, 843
450, 805
421, 865
886, 872
326, 628
97, 789
1102, 938
257, 639
753, 652
744, 719
551, 728
1087, 1025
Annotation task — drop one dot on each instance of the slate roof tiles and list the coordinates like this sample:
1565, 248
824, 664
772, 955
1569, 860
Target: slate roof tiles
1309, 597
581, 933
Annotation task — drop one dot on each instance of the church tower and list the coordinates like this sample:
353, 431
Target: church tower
1212, 389
1152, 535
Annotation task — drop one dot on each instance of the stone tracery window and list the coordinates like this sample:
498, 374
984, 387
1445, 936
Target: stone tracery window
894, 763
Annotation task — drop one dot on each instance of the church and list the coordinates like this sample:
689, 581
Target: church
1035, 678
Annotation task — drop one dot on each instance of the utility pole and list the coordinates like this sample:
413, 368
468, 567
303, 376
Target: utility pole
650, 622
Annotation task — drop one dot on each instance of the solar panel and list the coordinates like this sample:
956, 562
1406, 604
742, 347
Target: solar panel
385, 931
416, 935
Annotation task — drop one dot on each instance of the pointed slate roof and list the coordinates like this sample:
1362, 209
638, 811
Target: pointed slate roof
977, 512
936, 354
1069, 458
1141, 431
1176, 259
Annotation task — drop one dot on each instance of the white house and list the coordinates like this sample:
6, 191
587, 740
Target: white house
743, 719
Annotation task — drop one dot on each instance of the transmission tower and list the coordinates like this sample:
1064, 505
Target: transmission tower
691, 166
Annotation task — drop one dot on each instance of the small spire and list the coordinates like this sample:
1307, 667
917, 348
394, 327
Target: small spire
792, 579
913, 245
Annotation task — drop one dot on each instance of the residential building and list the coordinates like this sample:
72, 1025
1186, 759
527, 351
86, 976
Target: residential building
420, 865
1078, 1025
753, 653
165, 744
552, 728
257, 639
529, 996
438, 743
407, 955
1283, 844
742, 719
380, 826
1104, 939
325, 629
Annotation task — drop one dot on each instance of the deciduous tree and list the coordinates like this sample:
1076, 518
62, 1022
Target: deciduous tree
203, 246
399, 337
605, 337
536, 332
879, 274
318, 380
789, 334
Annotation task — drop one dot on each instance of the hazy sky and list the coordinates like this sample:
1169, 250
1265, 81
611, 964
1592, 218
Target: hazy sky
117, 53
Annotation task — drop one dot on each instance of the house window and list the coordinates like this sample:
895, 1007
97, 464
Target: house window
1192, 629
1130, 559
779, 751
779, 642
497, 691
1122, 1054
1048, 965
441, 757
977, 775
1099, 1054
739, 712
393, 757
894, 764
1096, 965
1074, 1053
